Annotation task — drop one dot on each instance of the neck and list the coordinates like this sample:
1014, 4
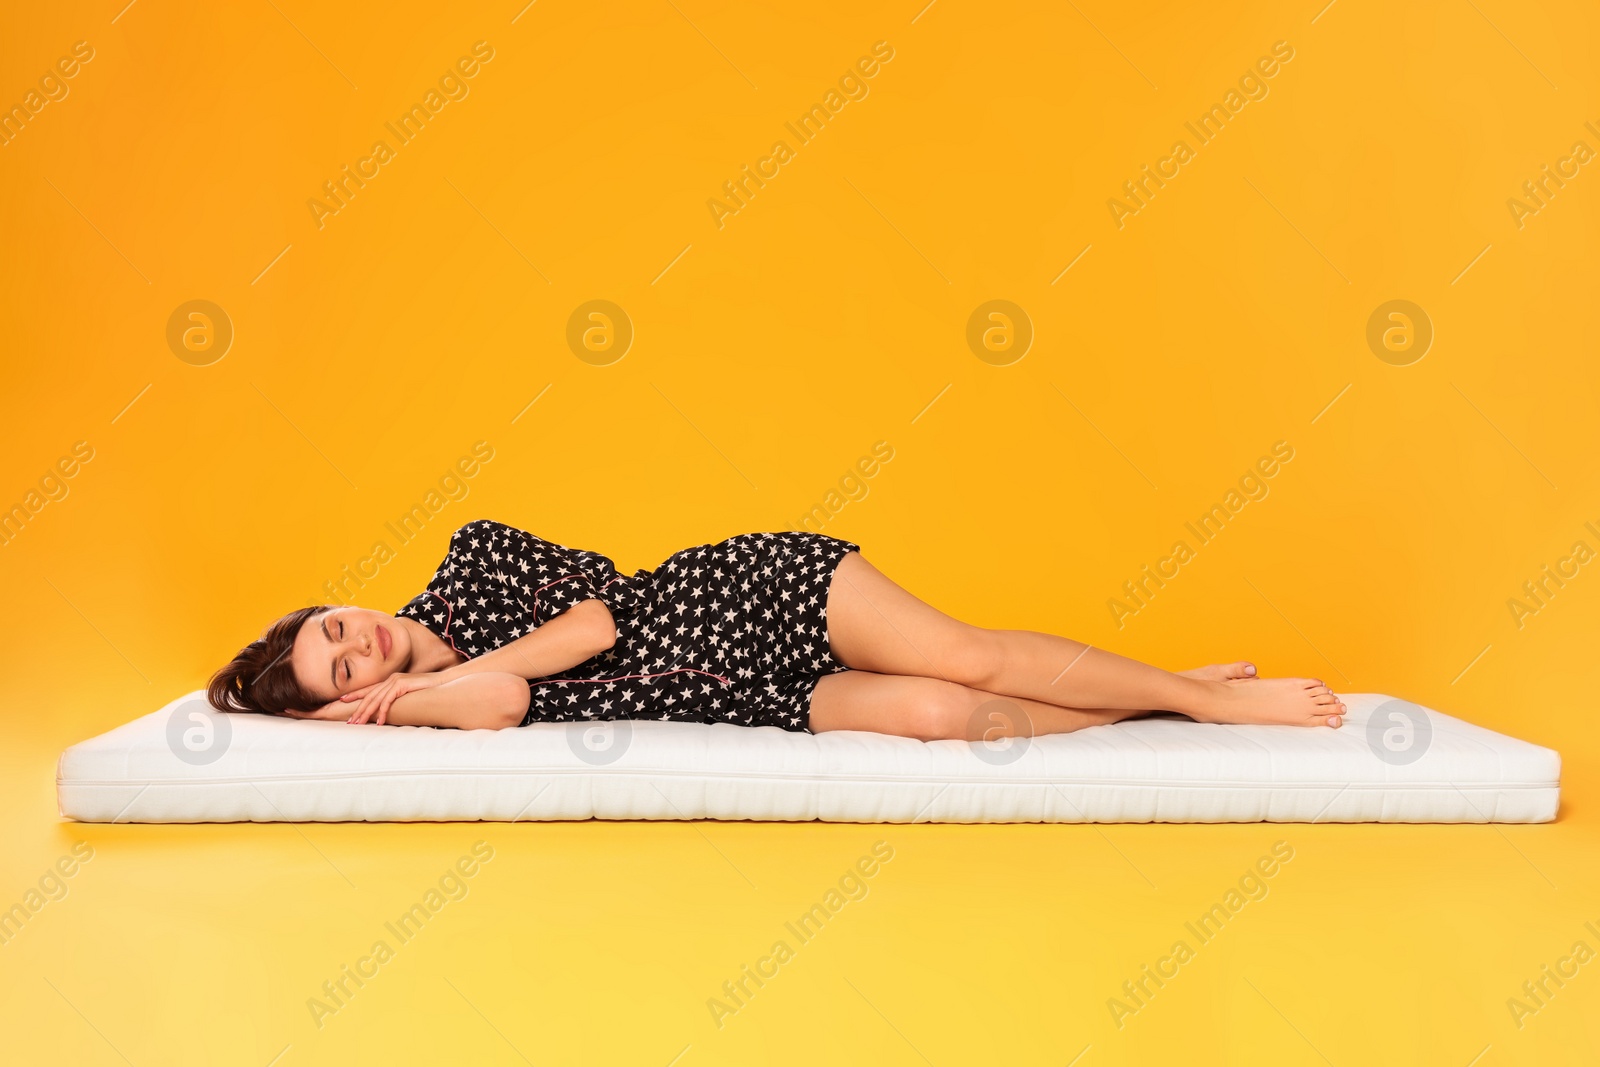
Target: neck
429, 652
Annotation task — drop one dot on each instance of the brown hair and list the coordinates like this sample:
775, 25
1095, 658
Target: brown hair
261, 678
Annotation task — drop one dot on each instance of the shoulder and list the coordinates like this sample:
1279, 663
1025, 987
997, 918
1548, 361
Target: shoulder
482, 535
482, 529
482, 539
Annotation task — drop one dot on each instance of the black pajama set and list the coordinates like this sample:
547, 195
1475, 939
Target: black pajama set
733, 632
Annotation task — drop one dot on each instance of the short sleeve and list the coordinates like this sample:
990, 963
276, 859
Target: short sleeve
549, 578
542, 578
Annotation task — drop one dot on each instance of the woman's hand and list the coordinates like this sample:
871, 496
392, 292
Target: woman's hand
376, 698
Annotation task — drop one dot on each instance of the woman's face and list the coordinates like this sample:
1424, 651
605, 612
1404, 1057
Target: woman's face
343, 649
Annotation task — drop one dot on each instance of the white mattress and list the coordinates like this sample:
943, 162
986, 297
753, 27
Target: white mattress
240, 767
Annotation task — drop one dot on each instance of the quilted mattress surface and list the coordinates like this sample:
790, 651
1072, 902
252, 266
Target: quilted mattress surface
1392, 761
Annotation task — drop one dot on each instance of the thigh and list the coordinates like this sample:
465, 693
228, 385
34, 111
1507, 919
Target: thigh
875, 625
924, 708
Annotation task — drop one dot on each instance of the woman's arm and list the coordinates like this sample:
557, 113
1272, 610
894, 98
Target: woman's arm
482, 701
581, 632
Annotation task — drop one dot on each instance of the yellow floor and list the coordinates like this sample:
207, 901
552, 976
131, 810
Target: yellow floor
231, 364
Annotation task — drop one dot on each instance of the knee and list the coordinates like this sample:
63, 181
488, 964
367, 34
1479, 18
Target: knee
942, 711
975, 658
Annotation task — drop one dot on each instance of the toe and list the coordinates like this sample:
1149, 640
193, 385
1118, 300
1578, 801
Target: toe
1334, 721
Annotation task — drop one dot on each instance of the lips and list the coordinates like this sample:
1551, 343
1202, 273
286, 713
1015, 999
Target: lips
384, 642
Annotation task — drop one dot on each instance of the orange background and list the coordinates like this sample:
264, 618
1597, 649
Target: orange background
769, 355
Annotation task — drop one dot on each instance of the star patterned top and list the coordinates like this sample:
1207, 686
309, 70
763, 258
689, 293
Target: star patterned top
728, 632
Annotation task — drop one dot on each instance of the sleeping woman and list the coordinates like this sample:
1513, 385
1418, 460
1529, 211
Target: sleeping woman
794, 630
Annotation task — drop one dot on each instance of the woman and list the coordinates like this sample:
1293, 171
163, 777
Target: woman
794, 630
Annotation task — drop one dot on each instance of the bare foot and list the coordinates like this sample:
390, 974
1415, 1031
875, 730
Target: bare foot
1276, 701
1244, 670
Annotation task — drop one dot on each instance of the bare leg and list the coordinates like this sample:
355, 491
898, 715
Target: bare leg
931, 709
876, 626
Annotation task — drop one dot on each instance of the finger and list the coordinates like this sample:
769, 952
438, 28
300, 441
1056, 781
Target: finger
379, 704
395, 694
356, 694
368, 704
